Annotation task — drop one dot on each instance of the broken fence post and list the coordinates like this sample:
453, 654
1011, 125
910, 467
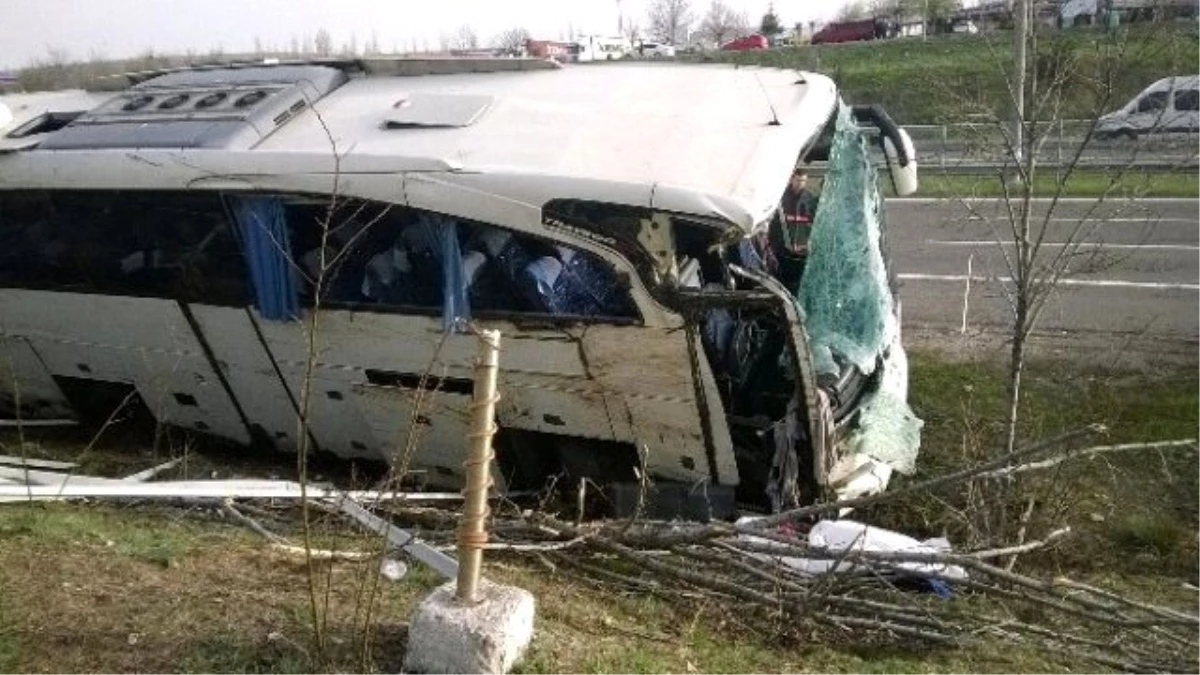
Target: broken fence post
472, 532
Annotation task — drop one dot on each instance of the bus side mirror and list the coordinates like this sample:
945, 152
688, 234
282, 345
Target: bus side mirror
904, 177
897, 147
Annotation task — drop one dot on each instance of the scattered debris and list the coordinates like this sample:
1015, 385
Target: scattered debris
153, 471
44, 479
402, 540
865, 577
66, 486
280, 544
785, 568
392, 569
847, 535
25, 484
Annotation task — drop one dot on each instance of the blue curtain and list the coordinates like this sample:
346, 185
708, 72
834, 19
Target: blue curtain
441, 235
263, 226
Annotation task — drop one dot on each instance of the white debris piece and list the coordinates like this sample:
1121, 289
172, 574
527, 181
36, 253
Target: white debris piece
837, 536
54, 479
153, 471
392, 569
30, 424
35, 485
49, 485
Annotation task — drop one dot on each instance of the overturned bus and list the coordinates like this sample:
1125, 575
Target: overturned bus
239, 245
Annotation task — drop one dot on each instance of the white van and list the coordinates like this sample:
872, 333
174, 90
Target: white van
602, 48
284, 255
1171, 104
655, 50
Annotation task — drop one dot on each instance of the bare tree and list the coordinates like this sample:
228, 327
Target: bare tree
853, 11
464, 38
671, 20
722, 23
512, 40
931, 12
1038, 245
323, 43
633, 31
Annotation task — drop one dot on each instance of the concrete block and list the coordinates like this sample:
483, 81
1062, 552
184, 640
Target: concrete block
490, 636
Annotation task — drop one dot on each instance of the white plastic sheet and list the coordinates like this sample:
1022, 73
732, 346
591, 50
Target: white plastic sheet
838, 536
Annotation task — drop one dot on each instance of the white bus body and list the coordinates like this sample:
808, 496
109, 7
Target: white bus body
167, 237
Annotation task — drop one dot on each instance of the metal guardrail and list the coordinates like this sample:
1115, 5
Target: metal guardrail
966, 147
972, 168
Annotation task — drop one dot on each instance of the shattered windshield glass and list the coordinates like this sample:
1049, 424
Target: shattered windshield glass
844, 290
849, 307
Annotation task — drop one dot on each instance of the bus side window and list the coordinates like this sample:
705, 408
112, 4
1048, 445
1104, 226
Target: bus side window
521, 273
147, 244
390, 257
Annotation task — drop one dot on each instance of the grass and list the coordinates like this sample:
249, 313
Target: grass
230, 652
164, 589
1131, 512
76, 600
937, 80
10, 640
138, 536
1081, 184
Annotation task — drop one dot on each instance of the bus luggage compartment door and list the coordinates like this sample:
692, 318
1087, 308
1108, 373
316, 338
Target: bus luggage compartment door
146, 342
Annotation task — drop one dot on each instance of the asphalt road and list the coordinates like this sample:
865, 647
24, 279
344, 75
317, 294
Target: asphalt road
1137, 273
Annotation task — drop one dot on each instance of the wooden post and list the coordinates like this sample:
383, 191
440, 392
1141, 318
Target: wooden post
472, 532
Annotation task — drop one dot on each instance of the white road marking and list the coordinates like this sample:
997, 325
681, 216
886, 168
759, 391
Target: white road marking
1089, 244
1089, 200
1092, 283
1101, 220
1144, 219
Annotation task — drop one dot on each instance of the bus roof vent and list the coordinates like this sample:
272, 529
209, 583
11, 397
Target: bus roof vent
214, 108
436, 110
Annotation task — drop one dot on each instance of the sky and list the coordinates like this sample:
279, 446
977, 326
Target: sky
85, 29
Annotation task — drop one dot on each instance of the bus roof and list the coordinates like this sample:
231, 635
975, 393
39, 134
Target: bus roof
708, 140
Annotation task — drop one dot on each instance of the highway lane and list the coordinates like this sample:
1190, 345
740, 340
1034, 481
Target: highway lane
1138, 272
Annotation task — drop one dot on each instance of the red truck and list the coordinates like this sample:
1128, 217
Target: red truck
852, 31
547, 49
746, 44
